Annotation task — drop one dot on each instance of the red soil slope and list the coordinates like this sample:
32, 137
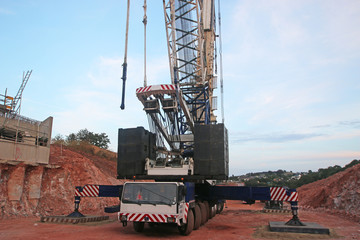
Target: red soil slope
55, 186
339, 193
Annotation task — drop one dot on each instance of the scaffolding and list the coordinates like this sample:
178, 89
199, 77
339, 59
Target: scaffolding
22, 139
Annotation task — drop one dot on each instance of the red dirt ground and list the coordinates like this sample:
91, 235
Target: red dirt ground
238, 221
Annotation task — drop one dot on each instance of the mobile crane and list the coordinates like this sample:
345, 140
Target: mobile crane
186, 150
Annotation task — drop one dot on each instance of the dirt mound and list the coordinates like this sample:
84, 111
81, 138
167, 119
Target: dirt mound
37, 190
339, 193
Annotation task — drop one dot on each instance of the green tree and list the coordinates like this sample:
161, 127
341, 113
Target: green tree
97, 139
58, 139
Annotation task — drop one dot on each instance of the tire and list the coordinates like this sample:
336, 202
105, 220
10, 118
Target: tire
220, 207
203, 213
207, 210
197, 215
213, 211
187, 228
138, 226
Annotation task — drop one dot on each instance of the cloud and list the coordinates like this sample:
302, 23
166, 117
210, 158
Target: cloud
322, 126
353, 124
345, 123
275, 137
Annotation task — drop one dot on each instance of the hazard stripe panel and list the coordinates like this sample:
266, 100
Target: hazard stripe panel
143, 217
162, 87
186, 212
281, 194
88, 191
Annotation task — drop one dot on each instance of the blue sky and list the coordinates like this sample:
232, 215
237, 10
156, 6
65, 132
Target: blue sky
291, 73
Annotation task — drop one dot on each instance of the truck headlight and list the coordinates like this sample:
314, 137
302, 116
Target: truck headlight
123, 218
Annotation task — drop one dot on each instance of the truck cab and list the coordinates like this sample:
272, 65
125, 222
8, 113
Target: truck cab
153, 202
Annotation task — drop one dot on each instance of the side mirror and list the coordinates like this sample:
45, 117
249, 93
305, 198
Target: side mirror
181, 192
184, 191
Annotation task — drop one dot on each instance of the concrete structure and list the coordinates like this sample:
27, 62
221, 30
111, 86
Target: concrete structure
24, 140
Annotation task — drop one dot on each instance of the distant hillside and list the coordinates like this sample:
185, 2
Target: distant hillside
289, 179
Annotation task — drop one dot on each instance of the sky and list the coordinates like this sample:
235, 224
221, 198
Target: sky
291, 73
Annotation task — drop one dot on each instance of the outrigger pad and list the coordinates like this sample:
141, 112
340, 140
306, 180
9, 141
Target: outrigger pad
76, 214
73, 220
308, 227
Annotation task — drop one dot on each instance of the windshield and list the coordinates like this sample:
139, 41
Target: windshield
154, 193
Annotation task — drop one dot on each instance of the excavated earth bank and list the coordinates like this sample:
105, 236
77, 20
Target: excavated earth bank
337, 194
49, 190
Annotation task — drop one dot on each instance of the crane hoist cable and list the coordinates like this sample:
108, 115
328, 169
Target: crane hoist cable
122, 106
145, 22
221, 67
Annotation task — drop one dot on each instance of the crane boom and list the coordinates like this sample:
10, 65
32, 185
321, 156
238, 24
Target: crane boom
174, 109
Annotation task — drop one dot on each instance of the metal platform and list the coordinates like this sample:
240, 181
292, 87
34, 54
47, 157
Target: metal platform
64, 219
308, 228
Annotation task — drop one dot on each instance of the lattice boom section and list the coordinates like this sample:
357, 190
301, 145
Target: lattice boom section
88, 191
281, 194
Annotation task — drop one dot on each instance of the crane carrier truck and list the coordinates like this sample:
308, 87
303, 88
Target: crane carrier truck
186, 150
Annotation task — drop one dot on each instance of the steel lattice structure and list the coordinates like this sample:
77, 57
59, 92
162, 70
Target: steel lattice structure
174, 112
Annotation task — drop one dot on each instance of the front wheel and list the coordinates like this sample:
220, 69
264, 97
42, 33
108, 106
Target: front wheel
187, 228
138, 226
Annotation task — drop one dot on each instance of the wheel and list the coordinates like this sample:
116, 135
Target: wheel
220, 207
207, 210
197, 215
213, 211
203, 213
210, 211
138, 226
187, 228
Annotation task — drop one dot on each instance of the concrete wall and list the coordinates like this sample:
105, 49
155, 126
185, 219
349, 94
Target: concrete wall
29, 150
30, 154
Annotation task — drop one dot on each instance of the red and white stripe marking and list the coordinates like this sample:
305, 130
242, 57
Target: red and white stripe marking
186, 210
164, 87
279, 194
143, 89
88, 191
142, 217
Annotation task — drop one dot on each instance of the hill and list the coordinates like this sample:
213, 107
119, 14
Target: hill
339, 193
